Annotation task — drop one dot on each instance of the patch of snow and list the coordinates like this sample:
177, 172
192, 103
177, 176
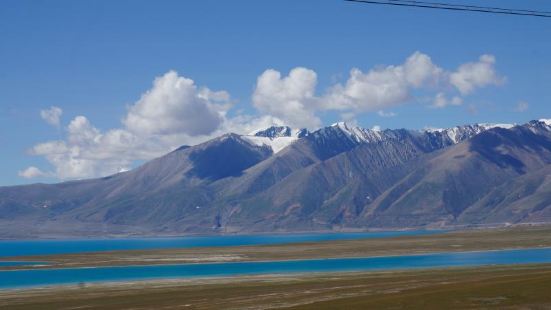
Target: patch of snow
459, 133
546, 121
358, 134
433, 129
276, 144
487, 126
453, 134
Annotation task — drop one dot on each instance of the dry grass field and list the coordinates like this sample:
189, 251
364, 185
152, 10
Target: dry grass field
519, 287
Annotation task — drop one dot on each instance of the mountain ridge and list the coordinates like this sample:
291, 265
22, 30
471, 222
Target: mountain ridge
280, 179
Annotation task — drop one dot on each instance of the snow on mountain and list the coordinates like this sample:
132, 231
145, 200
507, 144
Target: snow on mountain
487, 126
319, 183
353, 134
276, 144
459, 133
276, 137
537, 125
359, 134
279, 137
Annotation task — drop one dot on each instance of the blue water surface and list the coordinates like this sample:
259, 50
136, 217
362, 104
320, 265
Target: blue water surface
20, 263
44, 277
65, 246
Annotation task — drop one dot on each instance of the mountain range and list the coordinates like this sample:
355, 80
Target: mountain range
339, 177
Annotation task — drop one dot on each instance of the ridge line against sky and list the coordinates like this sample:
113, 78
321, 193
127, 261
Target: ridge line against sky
71, 107
175, 111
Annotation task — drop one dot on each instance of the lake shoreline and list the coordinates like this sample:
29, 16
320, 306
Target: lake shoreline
154, 235
335, 288
454, 241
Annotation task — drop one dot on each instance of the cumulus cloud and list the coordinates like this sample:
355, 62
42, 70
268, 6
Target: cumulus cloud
172, 113
32, 172
368, 91
473, 75
176, 105
52, 115
441, 101
293, 98
290, 98
384, 87
86, 152
247, 124
419, 70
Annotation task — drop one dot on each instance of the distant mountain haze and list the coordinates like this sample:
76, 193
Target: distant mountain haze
279, 179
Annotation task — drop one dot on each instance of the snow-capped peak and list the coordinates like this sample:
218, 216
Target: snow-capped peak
542, 123
276, 137
280, 131
355, 133
274, 132
487, 126
459, 133
433, 129
279, 137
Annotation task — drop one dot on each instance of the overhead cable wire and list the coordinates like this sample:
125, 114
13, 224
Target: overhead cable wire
455, 7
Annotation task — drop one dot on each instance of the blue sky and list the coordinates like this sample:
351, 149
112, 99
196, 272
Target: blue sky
96, 59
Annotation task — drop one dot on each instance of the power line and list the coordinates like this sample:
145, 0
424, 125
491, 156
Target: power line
455, 7
468, 6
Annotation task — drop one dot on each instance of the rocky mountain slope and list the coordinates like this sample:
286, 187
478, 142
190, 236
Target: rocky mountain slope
336, 178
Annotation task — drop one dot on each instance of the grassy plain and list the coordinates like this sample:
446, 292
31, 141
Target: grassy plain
518, 287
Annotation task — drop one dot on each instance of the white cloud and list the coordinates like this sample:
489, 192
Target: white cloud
375, 90
293, 98
172, 113
419, 70
389, 86
246, 124
384, 87
52, 115
522, 106
176, 106
289, 98
382, 113
473, 75
86, 152
441, 101
32, 172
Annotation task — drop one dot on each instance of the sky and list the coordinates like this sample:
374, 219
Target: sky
91, 88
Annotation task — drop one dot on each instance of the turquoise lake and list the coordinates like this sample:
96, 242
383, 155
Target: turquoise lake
45, 277
66, 246
8, 264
